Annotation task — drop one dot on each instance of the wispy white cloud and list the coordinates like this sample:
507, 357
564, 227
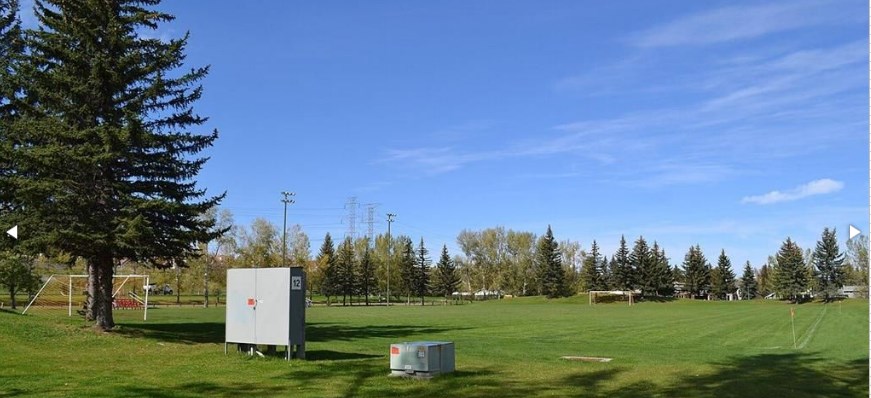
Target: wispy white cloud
816, 187
731, 115
738, 23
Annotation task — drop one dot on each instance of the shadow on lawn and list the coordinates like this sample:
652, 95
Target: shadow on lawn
792, 374
213, 332
327, 355
766, 375
323, 332
187, 333
204, 389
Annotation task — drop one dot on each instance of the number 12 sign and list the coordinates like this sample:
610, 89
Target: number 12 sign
296, 283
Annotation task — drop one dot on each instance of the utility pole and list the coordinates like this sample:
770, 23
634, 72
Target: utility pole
389, 253
286, 200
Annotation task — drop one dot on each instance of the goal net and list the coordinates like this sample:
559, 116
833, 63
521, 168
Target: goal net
67, 295
611, 296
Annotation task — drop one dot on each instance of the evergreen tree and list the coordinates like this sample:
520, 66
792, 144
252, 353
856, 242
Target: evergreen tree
345, 266
613, 282
661, 273
748, 283
591, 275
446, 277
102, 154
327, 263
790, 275
697, 271
641, 263
621, 268
829, 264
421, 279
765, 279
407, 267
10, 52
367, 275
548, 259
723, 280
605, 272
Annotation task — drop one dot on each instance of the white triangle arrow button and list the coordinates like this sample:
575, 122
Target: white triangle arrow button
13, 232
854, 231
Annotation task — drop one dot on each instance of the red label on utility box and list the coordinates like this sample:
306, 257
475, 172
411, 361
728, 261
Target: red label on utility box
251, 302
394, 350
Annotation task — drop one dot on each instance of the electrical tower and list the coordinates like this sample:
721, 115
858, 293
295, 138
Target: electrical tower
351, 206
370, 219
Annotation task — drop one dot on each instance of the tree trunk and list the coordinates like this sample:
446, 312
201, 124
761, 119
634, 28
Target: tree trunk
12, 292
100, 292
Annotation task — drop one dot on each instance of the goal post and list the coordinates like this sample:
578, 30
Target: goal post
595, 294
60, 293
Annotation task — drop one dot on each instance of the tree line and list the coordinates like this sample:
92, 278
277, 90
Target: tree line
521, 264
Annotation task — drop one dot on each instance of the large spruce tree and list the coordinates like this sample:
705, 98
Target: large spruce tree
641, 266
697, 271
829, 264
591, 274
102, 154
10, 53
407, 274
790, 274
446, 277
421, 274
749, 287
345, 267
367, 275
548, 258
326, 260
621, 268
723, 280
661, 275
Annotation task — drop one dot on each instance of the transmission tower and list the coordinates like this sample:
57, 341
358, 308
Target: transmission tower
351, 206
370, 220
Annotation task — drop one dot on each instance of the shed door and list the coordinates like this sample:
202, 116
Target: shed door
241, 302
273, 306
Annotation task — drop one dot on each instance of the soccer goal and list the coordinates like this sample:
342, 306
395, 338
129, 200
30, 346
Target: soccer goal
610, 296
69, 293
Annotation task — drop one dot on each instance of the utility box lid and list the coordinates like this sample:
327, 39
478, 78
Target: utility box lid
421, 358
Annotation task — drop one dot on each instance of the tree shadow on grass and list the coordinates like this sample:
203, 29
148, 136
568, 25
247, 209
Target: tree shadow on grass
327, 355
324, 332
370, 379
185, 333
204, 389
777, 375
214, 332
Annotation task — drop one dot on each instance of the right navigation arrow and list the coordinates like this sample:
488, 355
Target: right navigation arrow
854, 231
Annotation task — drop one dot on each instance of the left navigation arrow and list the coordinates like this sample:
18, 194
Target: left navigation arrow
13, 232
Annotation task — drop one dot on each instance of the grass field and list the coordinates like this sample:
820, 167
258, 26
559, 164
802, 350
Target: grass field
507, 348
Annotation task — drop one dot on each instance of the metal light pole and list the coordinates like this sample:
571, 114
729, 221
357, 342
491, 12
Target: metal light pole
286, 201
389, 253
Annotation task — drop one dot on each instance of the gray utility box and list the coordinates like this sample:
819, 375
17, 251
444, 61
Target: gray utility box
266, 306
421, 358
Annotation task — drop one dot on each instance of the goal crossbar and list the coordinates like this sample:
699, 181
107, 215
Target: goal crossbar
69, 294
594, 293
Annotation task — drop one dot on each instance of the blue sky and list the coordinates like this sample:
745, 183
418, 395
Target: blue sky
726, 124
